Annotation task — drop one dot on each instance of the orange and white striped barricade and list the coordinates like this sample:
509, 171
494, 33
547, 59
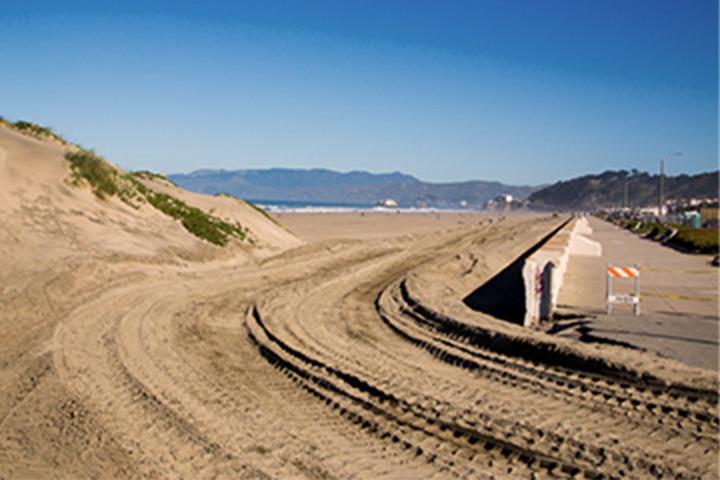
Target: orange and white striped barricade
623, 272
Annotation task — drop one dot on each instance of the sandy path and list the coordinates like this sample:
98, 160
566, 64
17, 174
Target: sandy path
340, 359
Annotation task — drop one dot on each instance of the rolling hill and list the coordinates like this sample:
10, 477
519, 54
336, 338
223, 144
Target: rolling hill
326, 186
610, 188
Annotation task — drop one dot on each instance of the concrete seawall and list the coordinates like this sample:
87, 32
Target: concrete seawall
544, 270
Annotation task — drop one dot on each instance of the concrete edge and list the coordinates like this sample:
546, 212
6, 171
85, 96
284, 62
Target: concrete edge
544, 270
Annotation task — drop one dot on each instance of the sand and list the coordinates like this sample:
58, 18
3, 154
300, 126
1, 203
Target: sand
132, 349
359, 225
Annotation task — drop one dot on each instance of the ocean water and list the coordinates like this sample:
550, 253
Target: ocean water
316, 207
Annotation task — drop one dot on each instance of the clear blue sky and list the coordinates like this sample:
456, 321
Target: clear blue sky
522, 91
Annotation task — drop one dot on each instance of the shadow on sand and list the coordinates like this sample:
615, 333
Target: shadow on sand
503, 296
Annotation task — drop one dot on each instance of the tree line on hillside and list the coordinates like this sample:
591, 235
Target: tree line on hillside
634, 189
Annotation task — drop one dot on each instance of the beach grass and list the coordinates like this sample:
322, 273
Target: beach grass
106, 182
261, 211
148, 175
197, 222
264, 214
33, 129
101, 176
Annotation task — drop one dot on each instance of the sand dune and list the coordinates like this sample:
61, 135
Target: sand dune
130, 348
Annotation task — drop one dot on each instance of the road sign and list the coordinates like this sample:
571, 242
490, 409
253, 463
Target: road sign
630, 298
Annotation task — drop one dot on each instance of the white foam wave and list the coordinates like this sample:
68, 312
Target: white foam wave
273, 208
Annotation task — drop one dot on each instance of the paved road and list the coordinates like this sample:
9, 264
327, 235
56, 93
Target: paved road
679, 308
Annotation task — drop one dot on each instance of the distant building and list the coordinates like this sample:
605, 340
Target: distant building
709, 217
388, 202
503, 201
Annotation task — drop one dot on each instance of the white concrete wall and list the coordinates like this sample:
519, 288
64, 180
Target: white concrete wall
544, 270
580, 245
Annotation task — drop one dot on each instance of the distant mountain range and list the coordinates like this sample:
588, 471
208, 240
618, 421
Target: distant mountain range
360, 188
608, 190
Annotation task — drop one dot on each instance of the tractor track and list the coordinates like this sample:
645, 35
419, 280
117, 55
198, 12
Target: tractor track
345, 359
455, 343
612, 422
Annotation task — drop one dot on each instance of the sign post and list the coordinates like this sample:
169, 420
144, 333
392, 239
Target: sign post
623, 272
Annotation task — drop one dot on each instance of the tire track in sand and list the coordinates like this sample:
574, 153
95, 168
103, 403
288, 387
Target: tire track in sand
328, 361
615, 425
145, 368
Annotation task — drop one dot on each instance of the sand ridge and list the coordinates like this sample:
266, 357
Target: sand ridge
132, 349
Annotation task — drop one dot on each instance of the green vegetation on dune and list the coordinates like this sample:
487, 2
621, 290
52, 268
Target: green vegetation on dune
106, 181
33, 129
101, 176
199, 223
263, 213
147, 175
254, 207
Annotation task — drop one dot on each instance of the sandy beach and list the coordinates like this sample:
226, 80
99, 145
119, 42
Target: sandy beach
339, 347
314, 227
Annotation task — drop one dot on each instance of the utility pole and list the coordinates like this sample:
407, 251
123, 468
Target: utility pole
662, 181
625, 193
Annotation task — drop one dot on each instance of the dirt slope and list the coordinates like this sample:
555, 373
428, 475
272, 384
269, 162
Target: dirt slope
132, 349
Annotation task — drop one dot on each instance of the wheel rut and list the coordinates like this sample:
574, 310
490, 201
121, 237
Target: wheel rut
357, 360
362, 352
